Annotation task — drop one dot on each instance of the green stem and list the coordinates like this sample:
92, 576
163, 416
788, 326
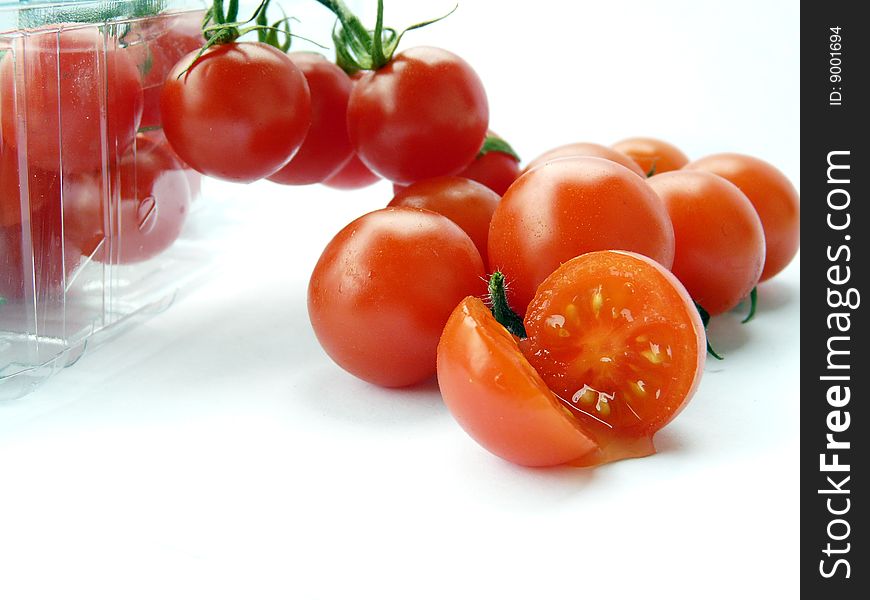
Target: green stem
501, 310
705, 319
753, 304
349, 21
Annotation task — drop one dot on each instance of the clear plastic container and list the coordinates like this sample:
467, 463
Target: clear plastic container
99, 222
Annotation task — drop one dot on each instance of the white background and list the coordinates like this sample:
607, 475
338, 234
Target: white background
216, 452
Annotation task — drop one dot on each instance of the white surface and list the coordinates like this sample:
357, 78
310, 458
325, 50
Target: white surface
216, 452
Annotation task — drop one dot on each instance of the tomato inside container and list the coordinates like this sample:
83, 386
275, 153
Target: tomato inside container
97, 214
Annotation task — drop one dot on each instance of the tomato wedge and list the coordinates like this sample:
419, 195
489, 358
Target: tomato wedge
614, 350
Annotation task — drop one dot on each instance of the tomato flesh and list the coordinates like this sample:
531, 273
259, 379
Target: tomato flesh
616, 342
615, 349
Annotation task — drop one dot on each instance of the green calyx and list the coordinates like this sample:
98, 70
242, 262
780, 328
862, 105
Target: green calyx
222, 27
361, 49
493, 143
501, 310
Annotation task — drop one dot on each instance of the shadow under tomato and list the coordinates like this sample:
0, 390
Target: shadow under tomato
339, 396
727, 334
773, 295
670, 441
505, 485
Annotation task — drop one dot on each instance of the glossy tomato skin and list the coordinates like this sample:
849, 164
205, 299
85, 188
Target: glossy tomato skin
567, 207
586, 149
327, 146
153, 204
383, 289
467, 203
775, 200
239, 113
719, 240
653, 156
498, 398
495, 170
353, 175
61, 94
423, 115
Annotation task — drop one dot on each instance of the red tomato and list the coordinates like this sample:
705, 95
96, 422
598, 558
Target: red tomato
326, 147
34, 261
586, 149
615, 350
383, 289
240, 112
146, 218
719, 241
774, 198
495, 170
652, 155
422, 115
467, 203
62, 80
352, 176
158, 43
570, 206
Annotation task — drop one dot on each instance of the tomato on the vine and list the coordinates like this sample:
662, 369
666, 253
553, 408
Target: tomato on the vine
153, 202
654, 156
718, 238
326, 147
467, 203
63, 81
495, 168
615, 349
775, 200
570, 206
238, 112
383, 288
424, 114
586, 149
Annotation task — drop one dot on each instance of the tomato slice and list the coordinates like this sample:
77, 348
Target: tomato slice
498, 398
615, 349
618, 340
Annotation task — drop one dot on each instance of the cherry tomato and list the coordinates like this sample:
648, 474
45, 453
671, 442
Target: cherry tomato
34, 261
719, 241
422, 115
654, 156
326, 147
615, 349
240, 112
383, 288
158, 43
152, 205
496, 170
586, 149
352, 176
467, 203
774, 198
497, 396
570, 206
62, 80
